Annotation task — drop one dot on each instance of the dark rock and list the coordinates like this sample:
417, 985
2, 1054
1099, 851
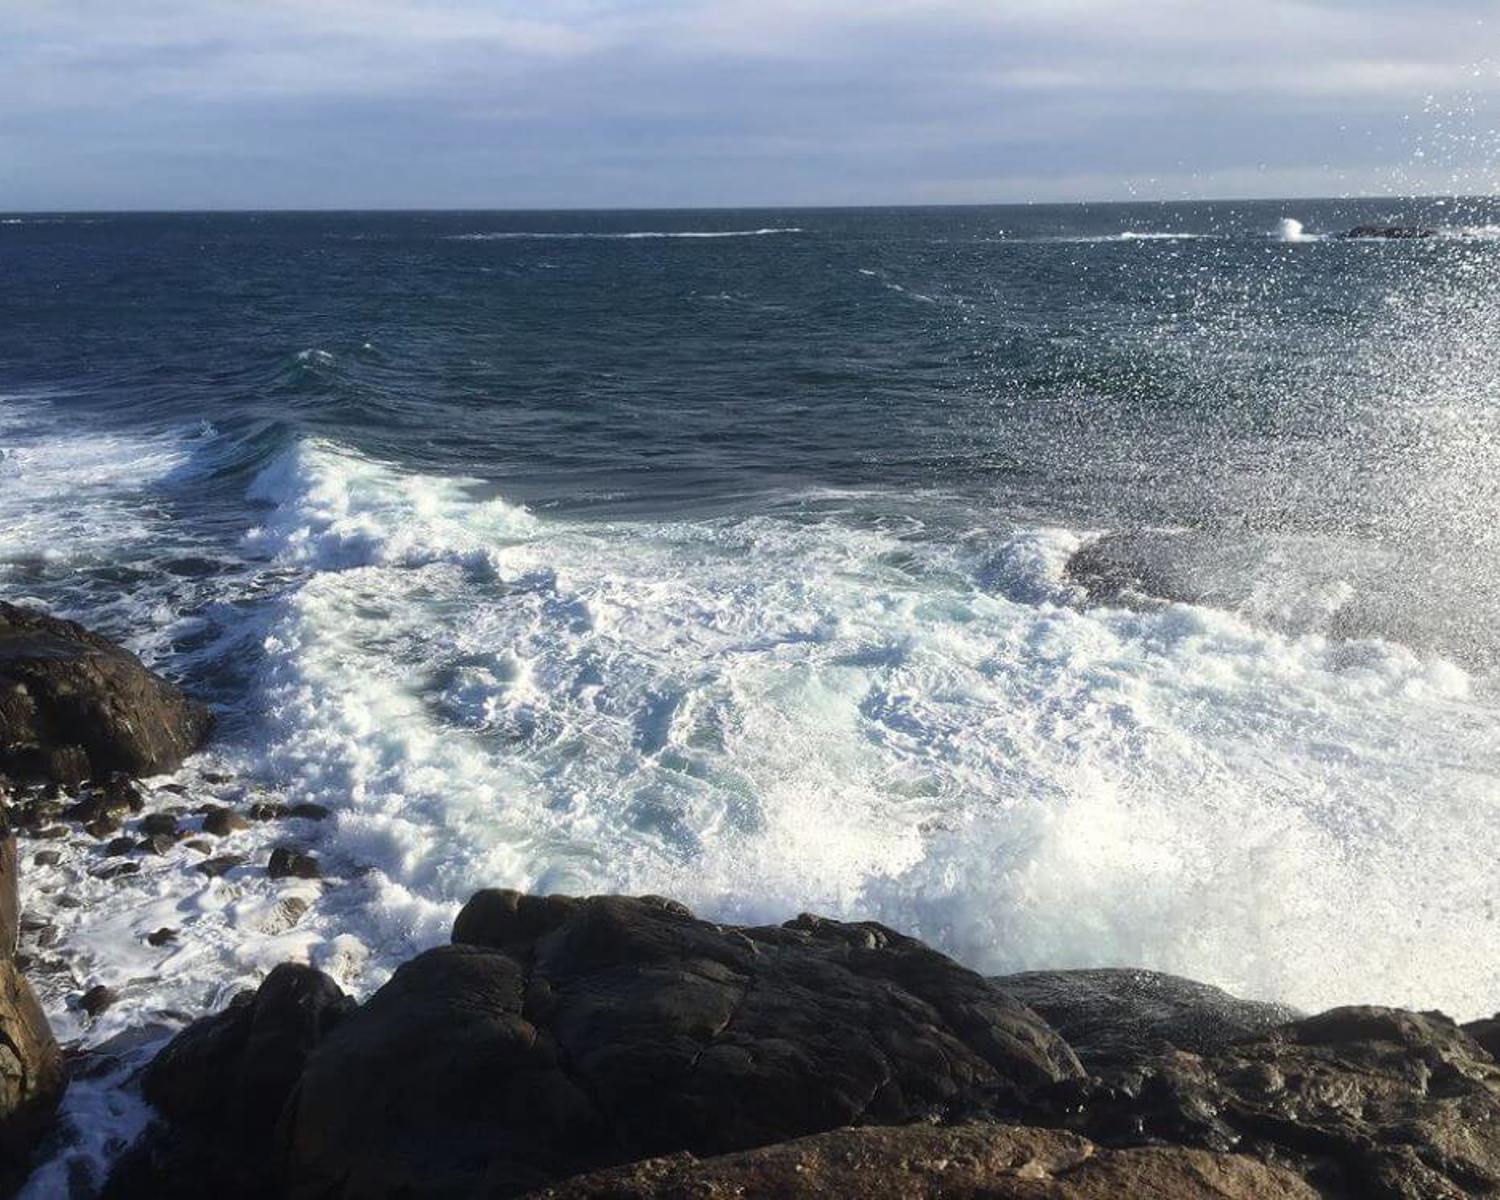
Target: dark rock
1113, 1016
119, 846
221, 822
97, 999
287, 863
47, 858
308, 812
116, 870
216, 777
199, 845
222, 1083
32, 1073
103, 827
1363, 1102
585, 1032
52, 833
1389, 232
159, 823
220, 865
963, 1162
10, 895
162, 937
157, 843
268, 812
73, 705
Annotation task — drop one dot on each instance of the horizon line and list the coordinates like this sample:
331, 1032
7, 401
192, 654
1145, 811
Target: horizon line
656, 208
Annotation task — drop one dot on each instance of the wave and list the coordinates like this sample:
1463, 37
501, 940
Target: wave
485, 696
629, 236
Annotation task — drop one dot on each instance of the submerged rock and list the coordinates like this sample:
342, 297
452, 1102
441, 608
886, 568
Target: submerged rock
964, 1162
1389, 232
73, 705
1115, 1016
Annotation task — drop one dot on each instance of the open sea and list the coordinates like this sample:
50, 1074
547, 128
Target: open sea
1065, 586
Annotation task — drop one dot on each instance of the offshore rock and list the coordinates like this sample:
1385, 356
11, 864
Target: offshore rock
1390, 232
964, 1162
74, 706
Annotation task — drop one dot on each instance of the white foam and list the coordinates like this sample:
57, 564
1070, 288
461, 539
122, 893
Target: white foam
1291, 230
769, 714
68, 496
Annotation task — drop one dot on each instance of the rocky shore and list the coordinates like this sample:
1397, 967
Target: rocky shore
614, 1046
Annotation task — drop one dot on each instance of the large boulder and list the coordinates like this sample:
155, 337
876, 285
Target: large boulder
74, 706
1365, 1103
559, 1036
221, 1085
32, 1074
1115, 1016
964, 1162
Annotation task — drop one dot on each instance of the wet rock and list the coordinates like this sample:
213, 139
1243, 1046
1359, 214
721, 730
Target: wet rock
219, 865
104, 827
199, 845
287, 863
47, 858
583, 1032
216, 777
1115, 1016
964, 1162
159, 823
116, 870
308, 812
97, 999
1363, 1102
32, 1073
268, 812
157, 844
161, 937
52, 833
119, 846
222, 1083
74, 706
284, 916
221, 822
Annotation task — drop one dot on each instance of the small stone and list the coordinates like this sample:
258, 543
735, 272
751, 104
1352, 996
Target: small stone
175, 789
221, 822
157, 843
120, 845
287, 863
268, 812
308, 812
47, 858
162, 936
97, 999
159, 822
115, 870
199, 845
52, 832
216, 777
104, 826
214, 867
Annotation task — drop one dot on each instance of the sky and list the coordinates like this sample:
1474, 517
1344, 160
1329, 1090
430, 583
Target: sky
173, 104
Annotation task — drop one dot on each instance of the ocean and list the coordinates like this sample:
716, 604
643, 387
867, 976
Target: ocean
1064, 586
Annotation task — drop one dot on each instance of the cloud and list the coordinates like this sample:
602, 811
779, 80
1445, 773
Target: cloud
246, 103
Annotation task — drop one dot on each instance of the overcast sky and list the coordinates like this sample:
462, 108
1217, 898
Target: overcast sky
597, 103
